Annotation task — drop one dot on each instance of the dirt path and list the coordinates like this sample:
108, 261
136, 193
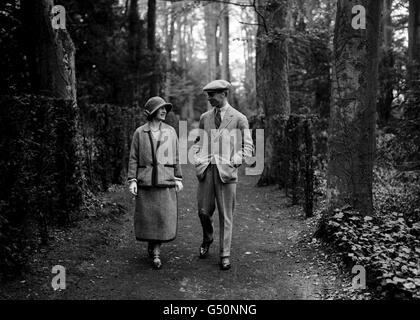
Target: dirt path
273, 255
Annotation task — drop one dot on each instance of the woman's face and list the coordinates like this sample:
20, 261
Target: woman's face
160, 114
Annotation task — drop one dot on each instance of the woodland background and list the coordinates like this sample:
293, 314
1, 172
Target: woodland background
340, 109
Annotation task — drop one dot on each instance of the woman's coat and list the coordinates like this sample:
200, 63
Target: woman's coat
155, 165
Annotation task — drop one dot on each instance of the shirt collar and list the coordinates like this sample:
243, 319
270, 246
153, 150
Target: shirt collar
224, 108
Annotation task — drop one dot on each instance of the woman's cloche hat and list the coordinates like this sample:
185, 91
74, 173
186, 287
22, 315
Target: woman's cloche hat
154, 103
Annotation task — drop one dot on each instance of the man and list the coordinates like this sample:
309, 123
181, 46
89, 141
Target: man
217, 161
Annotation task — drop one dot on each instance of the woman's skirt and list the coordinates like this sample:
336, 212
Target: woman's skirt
156, 214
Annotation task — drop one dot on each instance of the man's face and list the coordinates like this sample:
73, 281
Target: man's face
216, 99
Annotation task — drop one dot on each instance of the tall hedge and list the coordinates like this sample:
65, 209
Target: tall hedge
298, 162
106, 133
301, 148
40, 177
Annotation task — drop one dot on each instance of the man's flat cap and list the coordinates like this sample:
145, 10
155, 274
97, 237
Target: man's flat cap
217, 85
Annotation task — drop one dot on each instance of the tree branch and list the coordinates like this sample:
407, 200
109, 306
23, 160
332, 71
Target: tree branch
250, 24
243, 5
240, 4
254, 5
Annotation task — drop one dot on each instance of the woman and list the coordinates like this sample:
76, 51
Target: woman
154, 176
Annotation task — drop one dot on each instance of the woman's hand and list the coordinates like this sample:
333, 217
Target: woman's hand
178, 186
133, 188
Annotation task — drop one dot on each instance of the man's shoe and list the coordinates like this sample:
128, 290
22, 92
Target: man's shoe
225, 263
157, 264
204, 249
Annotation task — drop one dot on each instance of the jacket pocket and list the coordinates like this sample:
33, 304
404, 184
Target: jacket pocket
228, 173
165, 175
144, 175
169, 172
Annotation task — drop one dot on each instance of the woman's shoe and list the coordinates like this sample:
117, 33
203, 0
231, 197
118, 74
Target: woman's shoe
157, 264
204, 249
225, 263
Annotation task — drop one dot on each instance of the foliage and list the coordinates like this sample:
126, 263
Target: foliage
408, 131
106, 133
13, 76
397, 191
385, 245
40, 177
396, 187
398, 148
304, 150
186, 84
309, 76
100, 36
100, 32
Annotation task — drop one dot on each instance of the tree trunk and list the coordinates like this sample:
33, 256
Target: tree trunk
414, 40
151, 45
388, 29
181, 42
414, 32
386, 66
249, 57
169, 42
412, 109
272, 82
211, 21
225, 42
51, 59
151, 25
190, 106
50, 52
189, 56
182, 58
135, 51
351, 138
168, 55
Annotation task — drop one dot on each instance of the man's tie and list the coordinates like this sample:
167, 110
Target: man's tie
217, 118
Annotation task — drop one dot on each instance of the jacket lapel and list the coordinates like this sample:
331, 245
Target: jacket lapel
146, 131
154, 144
